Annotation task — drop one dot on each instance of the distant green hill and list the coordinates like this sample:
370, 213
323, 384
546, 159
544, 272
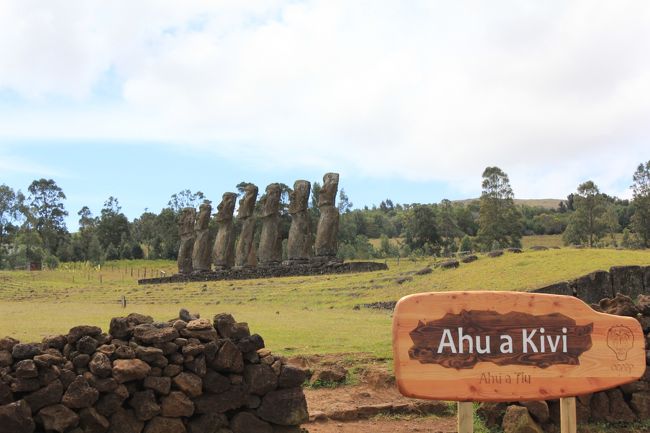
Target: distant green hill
546, 203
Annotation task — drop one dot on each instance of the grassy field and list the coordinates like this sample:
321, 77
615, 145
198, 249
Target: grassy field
294, 315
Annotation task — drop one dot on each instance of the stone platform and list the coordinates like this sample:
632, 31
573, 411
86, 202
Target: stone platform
294, 270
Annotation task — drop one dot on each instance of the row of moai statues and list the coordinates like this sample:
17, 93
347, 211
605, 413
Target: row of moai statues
197, 255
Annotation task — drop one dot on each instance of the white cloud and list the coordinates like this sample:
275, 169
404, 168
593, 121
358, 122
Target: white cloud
553, 92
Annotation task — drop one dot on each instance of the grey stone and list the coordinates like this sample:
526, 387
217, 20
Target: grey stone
594, 287
201, 252
186, 232
299, 244
223, 253
627, 280
244, 253
328, 224
269, 252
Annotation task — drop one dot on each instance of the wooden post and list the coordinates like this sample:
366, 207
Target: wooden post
568, 415
465, 417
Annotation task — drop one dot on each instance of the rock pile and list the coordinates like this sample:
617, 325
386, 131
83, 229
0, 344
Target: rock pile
627, 403
188, 375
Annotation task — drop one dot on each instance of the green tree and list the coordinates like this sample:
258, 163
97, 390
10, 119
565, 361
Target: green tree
499, 220
47, 213
641, 193
185, 198
11, 207
112, 226
587, 224
466, 245
421, 228
447, 226
344, 205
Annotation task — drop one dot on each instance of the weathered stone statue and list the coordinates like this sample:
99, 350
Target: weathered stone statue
299, 244
201, 251
245, 254
186, 232
269, 252
223, 253
328, 225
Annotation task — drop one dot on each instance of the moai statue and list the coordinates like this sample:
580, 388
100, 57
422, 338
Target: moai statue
328, 225
223, 253
299, 244
269, 252
201, 251
245, 254
186, 232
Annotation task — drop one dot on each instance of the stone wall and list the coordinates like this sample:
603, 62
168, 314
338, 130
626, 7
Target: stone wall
627, 280
248, 273
187, 375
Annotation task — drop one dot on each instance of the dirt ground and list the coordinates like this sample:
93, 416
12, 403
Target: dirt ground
347, 404
429, 425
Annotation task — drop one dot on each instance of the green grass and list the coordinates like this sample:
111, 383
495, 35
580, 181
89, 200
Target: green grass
542, 240
295, 315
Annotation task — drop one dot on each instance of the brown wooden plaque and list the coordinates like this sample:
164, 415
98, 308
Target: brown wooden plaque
510, 346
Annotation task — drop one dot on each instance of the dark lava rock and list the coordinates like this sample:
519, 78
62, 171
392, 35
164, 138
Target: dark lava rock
125, 370
145, 405
260, 379
229, 358
449, 264
81, 331
58, 418
177, 404
150, 334
291, 377
26, 350
80, 394
16, 418
284, 407
469, 259
92, 421
627, 280
621, 305
246, 422
47, 396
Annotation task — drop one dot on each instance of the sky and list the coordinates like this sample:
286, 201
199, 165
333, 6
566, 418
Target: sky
406, 100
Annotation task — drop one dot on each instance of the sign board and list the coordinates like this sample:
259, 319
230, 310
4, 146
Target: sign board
510, 346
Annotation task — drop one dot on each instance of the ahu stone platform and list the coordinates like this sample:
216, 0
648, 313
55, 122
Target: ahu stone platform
248, 273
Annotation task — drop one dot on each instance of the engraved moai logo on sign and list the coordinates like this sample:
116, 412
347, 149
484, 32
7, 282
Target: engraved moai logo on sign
620, 339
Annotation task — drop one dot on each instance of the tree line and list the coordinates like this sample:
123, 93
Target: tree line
33, 229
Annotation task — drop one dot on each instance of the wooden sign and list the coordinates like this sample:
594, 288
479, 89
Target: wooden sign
510, 346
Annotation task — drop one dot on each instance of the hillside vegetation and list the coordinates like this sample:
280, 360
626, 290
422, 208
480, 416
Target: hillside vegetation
295, 315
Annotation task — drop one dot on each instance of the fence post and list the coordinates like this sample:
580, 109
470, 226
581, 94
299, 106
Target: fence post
465, 417
568, 422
